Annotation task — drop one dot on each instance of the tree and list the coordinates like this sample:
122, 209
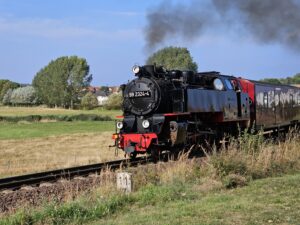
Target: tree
89, 101
23, 96
2, 82
5, 85
173, 58
114, 101
61, 82
7, 97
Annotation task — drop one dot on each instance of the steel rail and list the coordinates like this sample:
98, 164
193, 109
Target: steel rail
34, 179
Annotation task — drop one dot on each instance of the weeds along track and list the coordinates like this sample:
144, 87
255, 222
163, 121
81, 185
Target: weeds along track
35, 179
65, 184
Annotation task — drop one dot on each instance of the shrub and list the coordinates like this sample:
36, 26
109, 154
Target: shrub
89, 101
5, 85
227, 162
7, 97
114, 101
24, 96
234, 180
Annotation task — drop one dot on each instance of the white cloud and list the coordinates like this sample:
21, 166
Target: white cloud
126, 13
58, 29
119, 13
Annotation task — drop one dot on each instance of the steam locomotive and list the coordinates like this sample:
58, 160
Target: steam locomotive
169, 110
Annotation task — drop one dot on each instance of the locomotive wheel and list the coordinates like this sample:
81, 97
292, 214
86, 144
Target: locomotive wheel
133, 155
155, 154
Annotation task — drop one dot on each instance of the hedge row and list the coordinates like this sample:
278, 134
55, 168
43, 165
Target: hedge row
37, 118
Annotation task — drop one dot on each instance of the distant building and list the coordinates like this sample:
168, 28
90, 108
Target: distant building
114, 89
102, 97
102, 93
92, 89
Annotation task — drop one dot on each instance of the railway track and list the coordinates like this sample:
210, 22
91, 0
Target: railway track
35, 179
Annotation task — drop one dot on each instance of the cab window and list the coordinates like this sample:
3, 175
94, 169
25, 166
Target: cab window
218, 84
228, 84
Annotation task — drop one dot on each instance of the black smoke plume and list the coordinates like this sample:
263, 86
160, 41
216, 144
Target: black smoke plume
169, 20
267, 21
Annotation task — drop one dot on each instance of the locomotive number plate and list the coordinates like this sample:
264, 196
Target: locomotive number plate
139, 94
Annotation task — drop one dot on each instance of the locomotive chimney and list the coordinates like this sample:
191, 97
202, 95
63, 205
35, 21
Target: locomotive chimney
150, 69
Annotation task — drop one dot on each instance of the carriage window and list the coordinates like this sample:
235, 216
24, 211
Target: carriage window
218, 85
291, 100
277, 99
228, 84
265, 100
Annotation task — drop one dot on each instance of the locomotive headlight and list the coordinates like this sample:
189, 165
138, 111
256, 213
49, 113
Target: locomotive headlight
136, 69
145, 123
119, 125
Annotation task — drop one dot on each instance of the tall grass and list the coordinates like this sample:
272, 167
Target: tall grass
245, 158
252, 157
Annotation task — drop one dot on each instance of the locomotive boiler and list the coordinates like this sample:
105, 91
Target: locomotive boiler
170, 110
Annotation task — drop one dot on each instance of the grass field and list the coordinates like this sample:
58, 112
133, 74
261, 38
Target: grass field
25, 111
30, 147
266, 201
33, 130
39, 154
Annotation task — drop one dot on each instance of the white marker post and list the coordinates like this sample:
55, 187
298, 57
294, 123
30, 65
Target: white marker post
124, 182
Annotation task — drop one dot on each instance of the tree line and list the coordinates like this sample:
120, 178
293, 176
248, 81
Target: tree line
64, 81
289, 80
59, 84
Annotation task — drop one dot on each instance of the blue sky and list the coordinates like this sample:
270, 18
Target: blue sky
109, 34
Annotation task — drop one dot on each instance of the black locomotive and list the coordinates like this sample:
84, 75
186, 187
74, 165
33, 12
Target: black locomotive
167, 110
